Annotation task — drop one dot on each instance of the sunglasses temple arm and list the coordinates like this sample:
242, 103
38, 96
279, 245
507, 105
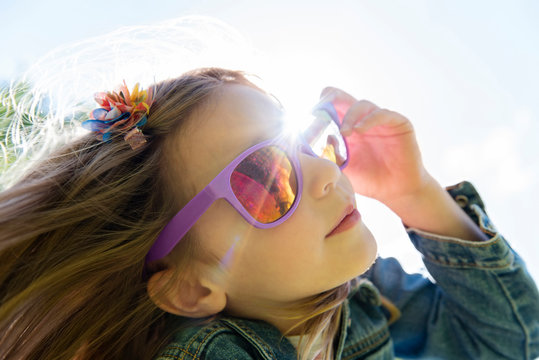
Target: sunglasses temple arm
180, 224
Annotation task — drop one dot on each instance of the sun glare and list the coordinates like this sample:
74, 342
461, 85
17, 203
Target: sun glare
296, 122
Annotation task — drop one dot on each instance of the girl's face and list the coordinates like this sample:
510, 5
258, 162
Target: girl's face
269, 268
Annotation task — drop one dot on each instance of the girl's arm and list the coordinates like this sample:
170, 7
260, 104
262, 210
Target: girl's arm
433, 210
385, 164
482, 304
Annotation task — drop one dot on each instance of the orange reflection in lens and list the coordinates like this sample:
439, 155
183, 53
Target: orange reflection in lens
329, 153
265, 184
324, 138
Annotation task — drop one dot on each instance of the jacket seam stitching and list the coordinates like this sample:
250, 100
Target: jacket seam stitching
180, 349
496, 237
203, 340
517, 315
370, 347
503, 265
384, 331
260, 343
215, 328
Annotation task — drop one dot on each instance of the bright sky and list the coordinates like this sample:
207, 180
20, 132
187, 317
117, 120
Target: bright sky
466, 73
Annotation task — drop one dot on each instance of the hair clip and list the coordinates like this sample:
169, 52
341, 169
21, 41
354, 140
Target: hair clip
123, 112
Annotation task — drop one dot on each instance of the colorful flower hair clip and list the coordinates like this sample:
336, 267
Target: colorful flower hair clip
123, 112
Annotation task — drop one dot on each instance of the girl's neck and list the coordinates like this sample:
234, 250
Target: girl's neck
274, 314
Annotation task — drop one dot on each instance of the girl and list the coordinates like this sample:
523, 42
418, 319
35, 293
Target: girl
190, 227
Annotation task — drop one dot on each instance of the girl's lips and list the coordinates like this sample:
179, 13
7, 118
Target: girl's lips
349, 221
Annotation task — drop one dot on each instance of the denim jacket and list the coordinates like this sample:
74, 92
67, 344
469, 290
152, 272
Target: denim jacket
481, 304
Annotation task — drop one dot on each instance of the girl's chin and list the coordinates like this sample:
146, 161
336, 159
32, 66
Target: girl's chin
368, 252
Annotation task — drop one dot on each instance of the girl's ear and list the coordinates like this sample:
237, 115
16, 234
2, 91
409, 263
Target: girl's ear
193, 295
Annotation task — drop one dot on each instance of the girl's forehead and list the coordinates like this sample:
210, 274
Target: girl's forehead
237, 118
241, 116
248, 105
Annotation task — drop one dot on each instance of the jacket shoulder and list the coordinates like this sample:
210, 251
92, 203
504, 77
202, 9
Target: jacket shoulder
214, 340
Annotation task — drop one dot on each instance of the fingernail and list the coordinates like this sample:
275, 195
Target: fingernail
327, 94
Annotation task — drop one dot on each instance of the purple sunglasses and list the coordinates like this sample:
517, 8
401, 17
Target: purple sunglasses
263, 183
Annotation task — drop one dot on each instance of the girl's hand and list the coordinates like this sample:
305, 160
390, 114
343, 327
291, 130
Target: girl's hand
385, 161
385, 164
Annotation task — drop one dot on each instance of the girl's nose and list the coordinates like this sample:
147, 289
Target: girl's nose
320, 176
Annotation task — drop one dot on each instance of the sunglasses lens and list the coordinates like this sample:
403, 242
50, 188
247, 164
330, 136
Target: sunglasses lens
265, 183
325, 139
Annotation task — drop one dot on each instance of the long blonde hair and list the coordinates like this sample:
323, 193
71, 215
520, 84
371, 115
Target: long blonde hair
75, 231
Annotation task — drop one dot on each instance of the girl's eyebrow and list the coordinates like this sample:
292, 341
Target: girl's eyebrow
276, 101
258, 140
267, 135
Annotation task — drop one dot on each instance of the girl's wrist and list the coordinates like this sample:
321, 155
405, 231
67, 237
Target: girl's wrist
432, 209
416, 201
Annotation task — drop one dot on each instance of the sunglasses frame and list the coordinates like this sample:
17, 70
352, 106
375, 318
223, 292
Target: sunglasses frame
220, 187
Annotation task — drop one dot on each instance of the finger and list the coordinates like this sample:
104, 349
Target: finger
355, 115
332, 93
381, 117
340, 99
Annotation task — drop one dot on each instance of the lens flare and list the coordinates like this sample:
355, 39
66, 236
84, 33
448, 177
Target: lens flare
295, 122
